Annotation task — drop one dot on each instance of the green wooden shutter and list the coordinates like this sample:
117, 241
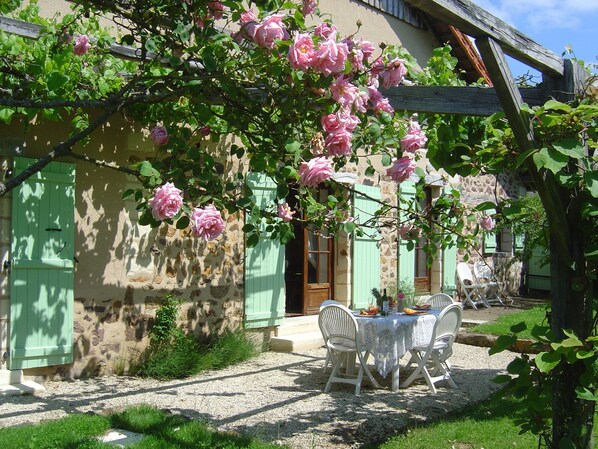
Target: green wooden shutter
264, 266
519, 240
366, 251
406, 256
490, 238
449, 265
42, 271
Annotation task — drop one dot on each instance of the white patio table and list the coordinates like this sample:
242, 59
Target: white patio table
388, 338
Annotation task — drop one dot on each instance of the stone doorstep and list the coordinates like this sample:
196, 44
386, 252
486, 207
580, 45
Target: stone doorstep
12, 383
23, 387
298, 325
297, 342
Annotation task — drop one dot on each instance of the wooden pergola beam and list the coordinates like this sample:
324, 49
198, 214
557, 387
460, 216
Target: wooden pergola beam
460, 100
477, 22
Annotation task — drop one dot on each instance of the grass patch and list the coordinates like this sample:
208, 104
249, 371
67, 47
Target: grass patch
502, 325
184, 356
75, 431
162, 430
488, 425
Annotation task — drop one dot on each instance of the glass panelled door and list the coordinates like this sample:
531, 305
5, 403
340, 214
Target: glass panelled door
308, 267
318, 269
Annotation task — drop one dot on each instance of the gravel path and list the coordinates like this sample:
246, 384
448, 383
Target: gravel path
277, 397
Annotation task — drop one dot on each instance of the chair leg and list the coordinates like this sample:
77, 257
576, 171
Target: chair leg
416, 356
364, 362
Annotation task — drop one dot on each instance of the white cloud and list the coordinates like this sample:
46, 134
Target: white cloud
541, 14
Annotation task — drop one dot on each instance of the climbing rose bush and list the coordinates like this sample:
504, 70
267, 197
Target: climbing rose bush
207, 223
166, 202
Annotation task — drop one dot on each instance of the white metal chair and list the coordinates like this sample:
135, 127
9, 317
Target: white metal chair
484, 275
440, 301
324, 304
340, 331
438, 350
473, 291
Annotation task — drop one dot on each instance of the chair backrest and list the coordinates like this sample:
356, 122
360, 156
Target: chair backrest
464, 273
440, 300
338, 324
482, 271
448, 322
328, 302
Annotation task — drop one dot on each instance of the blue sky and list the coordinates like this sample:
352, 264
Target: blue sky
552, 23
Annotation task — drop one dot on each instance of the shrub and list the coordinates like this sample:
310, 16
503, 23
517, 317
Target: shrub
172, 354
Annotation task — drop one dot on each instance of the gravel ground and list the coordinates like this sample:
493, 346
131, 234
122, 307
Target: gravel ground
277, 397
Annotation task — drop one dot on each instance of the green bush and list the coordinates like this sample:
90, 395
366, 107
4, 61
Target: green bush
172, 354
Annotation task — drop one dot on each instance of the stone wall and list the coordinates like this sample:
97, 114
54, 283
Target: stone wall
476, 190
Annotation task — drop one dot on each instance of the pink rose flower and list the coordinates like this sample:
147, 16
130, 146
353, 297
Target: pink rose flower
309, 7
415, 138
361, 100
487, 223
247, 17
341, 120
269, 31
159, 135
205, 131
325, 30
375, 69
82, 45
285, 212
248, 23
338, 143
356, 58
367, 48
330, 57
316, 171
401, 169
216, 10
207, 223
166, 202
343, 92
394, 73
301, 52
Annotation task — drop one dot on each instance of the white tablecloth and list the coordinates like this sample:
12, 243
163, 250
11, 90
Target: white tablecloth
390, 338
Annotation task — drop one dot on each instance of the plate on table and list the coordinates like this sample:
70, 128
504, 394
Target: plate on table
423, 307
414, 311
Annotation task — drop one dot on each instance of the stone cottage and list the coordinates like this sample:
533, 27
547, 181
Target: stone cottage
89, 278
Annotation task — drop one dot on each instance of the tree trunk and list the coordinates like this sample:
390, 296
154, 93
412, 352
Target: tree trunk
572, 296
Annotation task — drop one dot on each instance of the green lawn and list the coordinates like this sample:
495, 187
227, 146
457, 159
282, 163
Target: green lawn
488, 425
164, 431
502, 326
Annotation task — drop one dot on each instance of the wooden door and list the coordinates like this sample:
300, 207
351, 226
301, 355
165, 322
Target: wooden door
422, 275
317, 269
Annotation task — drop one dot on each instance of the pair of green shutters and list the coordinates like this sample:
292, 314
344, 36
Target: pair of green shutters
264, 264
